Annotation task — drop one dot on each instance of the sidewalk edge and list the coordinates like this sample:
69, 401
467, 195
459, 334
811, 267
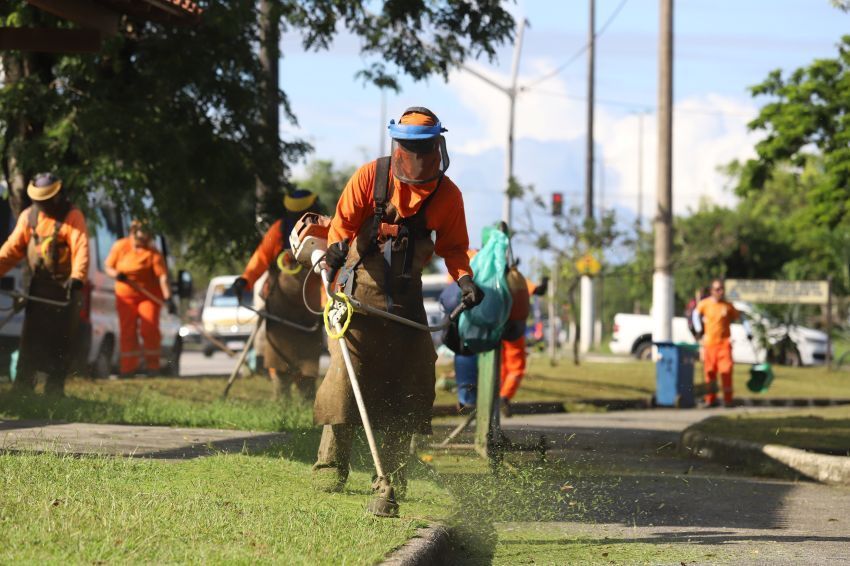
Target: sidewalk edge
770, 458
430, 545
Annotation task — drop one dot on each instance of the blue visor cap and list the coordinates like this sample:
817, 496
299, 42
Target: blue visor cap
413, 132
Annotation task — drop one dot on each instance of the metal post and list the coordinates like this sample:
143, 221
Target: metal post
382, 144
829, 322
587, 299
553, 312
640, 175
662, 280
507, 210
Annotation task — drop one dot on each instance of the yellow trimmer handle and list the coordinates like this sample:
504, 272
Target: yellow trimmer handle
349, 313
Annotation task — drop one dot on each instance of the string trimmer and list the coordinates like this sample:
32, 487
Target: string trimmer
309, 242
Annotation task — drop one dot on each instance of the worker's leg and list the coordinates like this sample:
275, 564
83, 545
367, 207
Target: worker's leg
331, 468
306, 386
26, 368
395, 456
151, 337
281, 383
128, 339
724, 367
513, 367
710, 363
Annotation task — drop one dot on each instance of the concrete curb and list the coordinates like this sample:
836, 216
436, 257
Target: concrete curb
431, 545
773, 459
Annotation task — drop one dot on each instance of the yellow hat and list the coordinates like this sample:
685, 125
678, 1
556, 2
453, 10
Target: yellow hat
299, 200
44, 186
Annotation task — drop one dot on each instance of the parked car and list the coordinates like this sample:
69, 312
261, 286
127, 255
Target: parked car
804, 346
97, 351
432, 285
224, 316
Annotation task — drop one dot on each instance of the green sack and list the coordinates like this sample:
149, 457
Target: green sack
480, 328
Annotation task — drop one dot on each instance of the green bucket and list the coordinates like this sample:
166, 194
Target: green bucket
761, 376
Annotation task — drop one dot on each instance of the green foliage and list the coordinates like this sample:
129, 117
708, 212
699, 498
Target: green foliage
326, 180
167, 121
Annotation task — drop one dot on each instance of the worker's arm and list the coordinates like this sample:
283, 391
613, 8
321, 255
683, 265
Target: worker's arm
696, 318
355, 205
160, 269
111, 263
78, 241
264, 255
15, 247
452, 241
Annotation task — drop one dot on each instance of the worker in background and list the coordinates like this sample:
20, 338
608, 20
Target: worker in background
141, 288
380, 239
514, 354
291, 355
52, 235
712, 320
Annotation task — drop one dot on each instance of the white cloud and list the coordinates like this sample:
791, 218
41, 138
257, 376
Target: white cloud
709, 131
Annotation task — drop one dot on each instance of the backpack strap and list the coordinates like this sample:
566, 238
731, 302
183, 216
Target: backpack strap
380, 195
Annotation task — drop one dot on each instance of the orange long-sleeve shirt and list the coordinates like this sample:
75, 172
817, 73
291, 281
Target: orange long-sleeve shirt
73, 231
267, 252
444, 215
142, 265
717, 317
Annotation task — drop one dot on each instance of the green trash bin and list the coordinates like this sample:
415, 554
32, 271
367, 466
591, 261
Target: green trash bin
761, 376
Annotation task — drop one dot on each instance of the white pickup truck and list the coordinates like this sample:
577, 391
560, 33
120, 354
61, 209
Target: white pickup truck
633, 335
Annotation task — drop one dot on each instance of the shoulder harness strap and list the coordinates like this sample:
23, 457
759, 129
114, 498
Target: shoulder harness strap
380, 195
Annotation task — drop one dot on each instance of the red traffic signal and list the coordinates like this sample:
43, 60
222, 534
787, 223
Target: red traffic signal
557, 204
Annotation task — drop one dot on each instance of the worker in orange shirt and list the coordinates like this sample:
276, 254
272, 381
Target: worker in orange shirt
52, 235
514, 355
380, 240
141, 287
291, 354
712, 320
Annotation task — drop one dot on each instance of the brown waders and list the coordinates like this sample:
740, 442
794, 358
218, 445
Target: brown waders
48, 333
292, 355
394, 363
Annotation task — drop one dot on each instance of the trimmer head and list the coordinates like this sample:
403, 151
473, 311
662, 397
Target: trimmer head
383, 504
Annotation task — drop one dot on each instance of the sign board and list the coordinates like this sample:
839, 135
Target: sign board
771, 291
588, 265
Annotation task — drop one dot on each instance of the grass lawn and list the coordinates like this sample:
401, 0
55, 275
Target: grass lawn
636, 380
819, 429
221, 509
185, 402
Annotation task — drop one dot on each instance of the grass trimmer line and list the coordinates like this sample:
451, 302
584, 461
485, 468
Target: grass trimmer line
309, 242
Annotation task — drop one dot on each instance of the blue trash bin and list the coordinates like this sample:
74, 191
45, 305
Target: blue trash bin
674, 374
466, 376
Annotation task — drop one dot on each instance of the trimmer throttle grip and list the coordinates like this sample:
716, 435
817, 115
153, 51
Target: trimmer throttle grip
457, 312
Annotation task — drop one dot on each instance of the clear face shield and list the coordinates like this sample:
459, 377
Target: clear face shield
419, 161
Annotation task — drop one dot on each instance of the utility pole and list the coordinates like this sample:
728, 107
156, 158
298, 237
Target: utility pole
640, 175
269, 56
382, 144
587, 299
662, 279
511, 91
554, 313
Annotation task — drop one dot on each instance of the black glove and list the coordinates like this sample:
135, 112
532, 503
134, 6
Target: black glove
171, 305
335, 258
72, 285
543, 287
470, 293
122, 277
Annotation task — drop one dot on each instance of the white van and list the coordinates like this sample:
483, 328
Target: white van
224, 317
98, 351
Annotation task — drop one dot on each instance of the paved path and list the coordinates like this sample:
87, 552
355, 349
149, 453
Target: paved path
638, 488
124, 440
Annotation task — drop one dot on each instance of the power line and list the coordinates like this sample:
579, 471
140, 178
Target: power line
580, 52
642, 107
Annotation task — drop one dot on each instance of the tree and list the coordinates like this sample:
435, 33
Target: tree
326, 180
169, 122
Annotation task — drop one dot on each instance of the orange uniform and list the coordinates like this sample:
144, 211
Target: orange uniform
444, 215
73, 231
143, 267
514, 359
270, 247
717, 318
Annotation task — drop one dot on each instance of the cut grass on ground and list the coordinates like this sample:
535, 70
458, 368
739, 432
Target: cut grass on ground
220, 509
636, 380
819, 429
184, 402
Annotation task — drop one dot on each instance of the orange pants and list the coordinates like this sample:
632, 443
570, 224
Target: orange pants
717, 358
138, 314
513, 367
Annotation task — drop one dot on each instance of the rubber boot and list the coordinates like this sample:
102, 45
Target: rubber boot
330, 472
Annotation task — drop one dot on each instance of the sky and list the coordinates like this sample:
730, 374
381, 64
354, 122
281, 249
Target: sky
721, 48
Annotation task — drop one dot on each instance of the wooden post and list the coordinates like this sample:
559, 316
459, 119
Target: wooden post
487, 426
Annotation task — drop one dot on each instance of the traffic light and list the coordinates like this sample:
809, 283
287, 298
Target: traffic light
557, 204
